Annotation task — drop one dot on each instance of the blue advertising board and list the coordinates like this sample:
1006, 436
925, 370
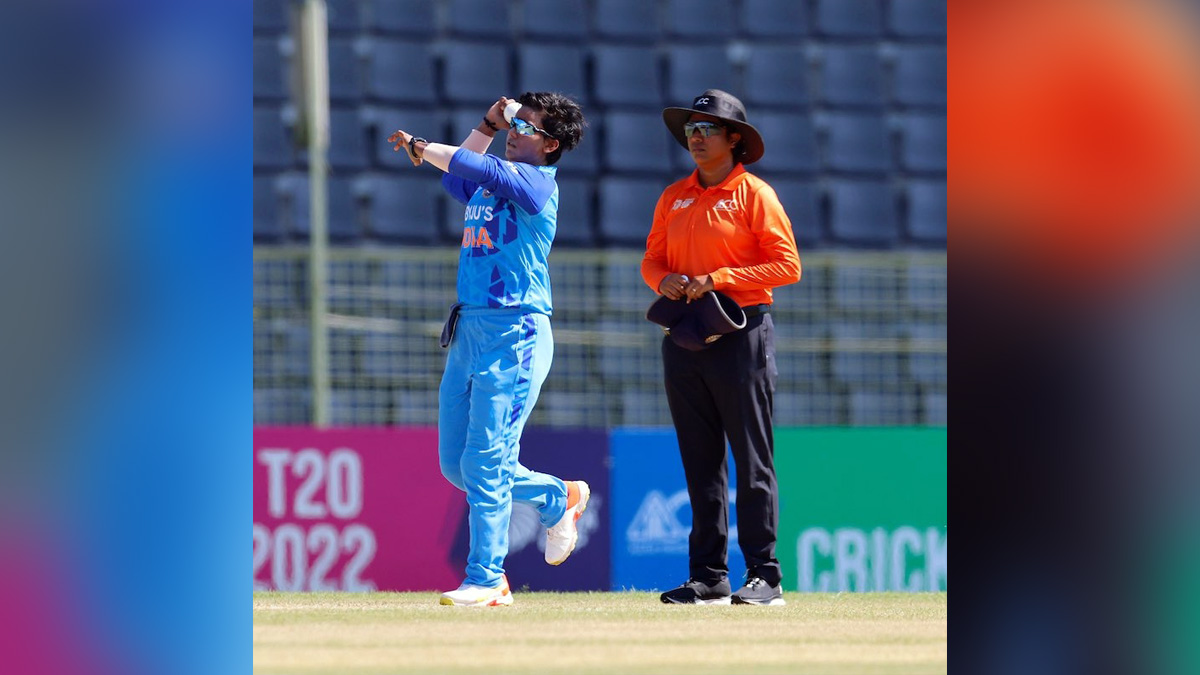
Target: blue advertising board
570, 455
651, 515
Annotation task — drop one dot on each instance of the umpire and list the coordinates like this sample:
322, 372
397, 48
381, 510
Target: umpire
723, 229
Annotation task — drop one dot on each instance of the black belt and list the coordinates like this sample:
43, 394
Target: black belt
754, 310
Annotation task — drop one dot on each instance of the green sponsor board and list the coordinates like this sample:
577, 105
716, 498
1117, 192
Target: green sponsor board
862, 509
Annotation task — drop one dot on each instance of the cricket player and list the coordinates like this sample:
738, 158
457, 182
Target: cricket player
498, 334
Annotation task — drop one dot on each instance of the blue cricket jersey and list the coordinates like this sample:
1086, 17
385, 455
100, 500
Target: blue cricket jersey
510, 221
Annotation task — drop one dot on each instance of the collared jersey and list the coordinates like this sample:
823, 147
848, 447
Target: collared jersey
509, 224
736, 232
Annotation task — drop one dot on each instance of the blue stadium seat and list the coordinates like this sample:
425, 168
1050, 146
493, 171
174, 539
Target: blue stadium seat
627, 209
424, 123
402, 209
347, 140
809, 408
917, 18
933, 405
777, 75
882, 408
404, 17
791, 142
269, 81
857, 142
636, 141
856, 289
555, 20
927, 367
344, 16
575, 200
584, 159
479, 19
266, 210
919, 76
775, 18
851, 76
282, 406
560, 68
343, 224
476, 73
699, 20
923, 142
925, 287
293, 355
270, 16
863, 213
635, 20
400, 70
693, 69
628, 76
927, 211
345, 71
272, 140
850, 18
855, 362
279, 286
802, 203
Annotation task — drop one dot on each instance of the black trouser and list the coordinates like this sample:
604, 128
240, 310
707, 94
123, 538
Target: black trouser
727, 391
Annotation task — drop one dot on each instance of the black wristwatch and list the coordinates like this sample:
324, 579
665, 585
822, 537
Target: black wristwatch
412, 145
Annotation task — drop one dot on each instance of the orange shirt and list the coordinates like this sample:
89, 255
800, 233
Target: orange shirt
735, 232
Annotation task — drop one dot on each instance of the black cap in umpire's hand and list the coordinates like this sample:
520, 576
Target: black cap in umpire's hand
697, 324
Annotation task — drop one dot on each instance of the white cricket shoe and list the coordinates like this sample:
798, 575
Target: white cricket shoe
561, 538
470, 595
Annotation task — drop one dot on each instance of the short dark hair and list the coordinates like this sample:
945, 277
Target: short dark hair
562, 118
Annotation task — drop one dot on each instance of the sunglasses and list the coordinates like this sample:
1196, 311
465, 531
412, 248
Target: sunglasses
526, 129
706, 129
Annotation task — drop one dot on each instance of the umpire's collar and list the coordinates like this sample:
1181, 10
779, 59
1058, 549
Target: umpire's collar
730, 182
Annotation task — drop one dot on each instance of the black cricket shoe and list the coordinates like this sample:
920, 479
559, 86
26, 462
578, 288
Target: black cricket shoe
698, 593
758, 592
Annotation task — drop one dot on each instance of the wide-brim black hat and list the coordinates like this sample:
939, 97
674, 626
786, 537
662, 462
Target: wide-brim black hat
696, 325
729, 109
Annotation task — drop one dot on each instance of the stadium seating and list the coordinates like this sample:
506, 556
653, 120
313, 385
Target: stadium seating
933, 405
627, 209
700, 20
636, 141
551, 67
923, 142
872, 409
775, 19
267, 227
627, 75
849, 18
801, 201
347, 140
927, 211
385, 121
917, 18
564, 20
857, 142
405, 17
475, 73
402, 209
776, 75
270, 16
343, 223
575, 227
692, 69
344, 16
345, 71
272, 142
400, 70
919, 76
925, 365
791, 143
863, 213
851, 76
635, 20
269, 81
478, 19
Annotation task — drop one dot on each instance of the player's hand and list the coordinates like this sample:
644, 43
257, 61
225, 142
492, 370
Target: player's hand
698, 286
673, 285
401, 139
495, 114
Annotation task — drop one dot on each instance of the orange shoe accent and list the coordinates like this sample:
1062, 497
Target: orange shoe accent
572, 496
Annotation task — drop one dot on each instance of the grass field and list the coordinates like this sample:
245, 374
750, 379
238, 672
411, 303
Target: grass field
610, 633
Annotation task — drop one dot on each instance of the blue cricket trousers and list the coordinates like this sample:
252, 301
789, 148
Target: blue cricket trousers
495, 369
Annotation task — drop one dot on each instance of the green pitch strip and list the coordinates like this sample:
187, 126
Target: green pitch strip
585, 633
